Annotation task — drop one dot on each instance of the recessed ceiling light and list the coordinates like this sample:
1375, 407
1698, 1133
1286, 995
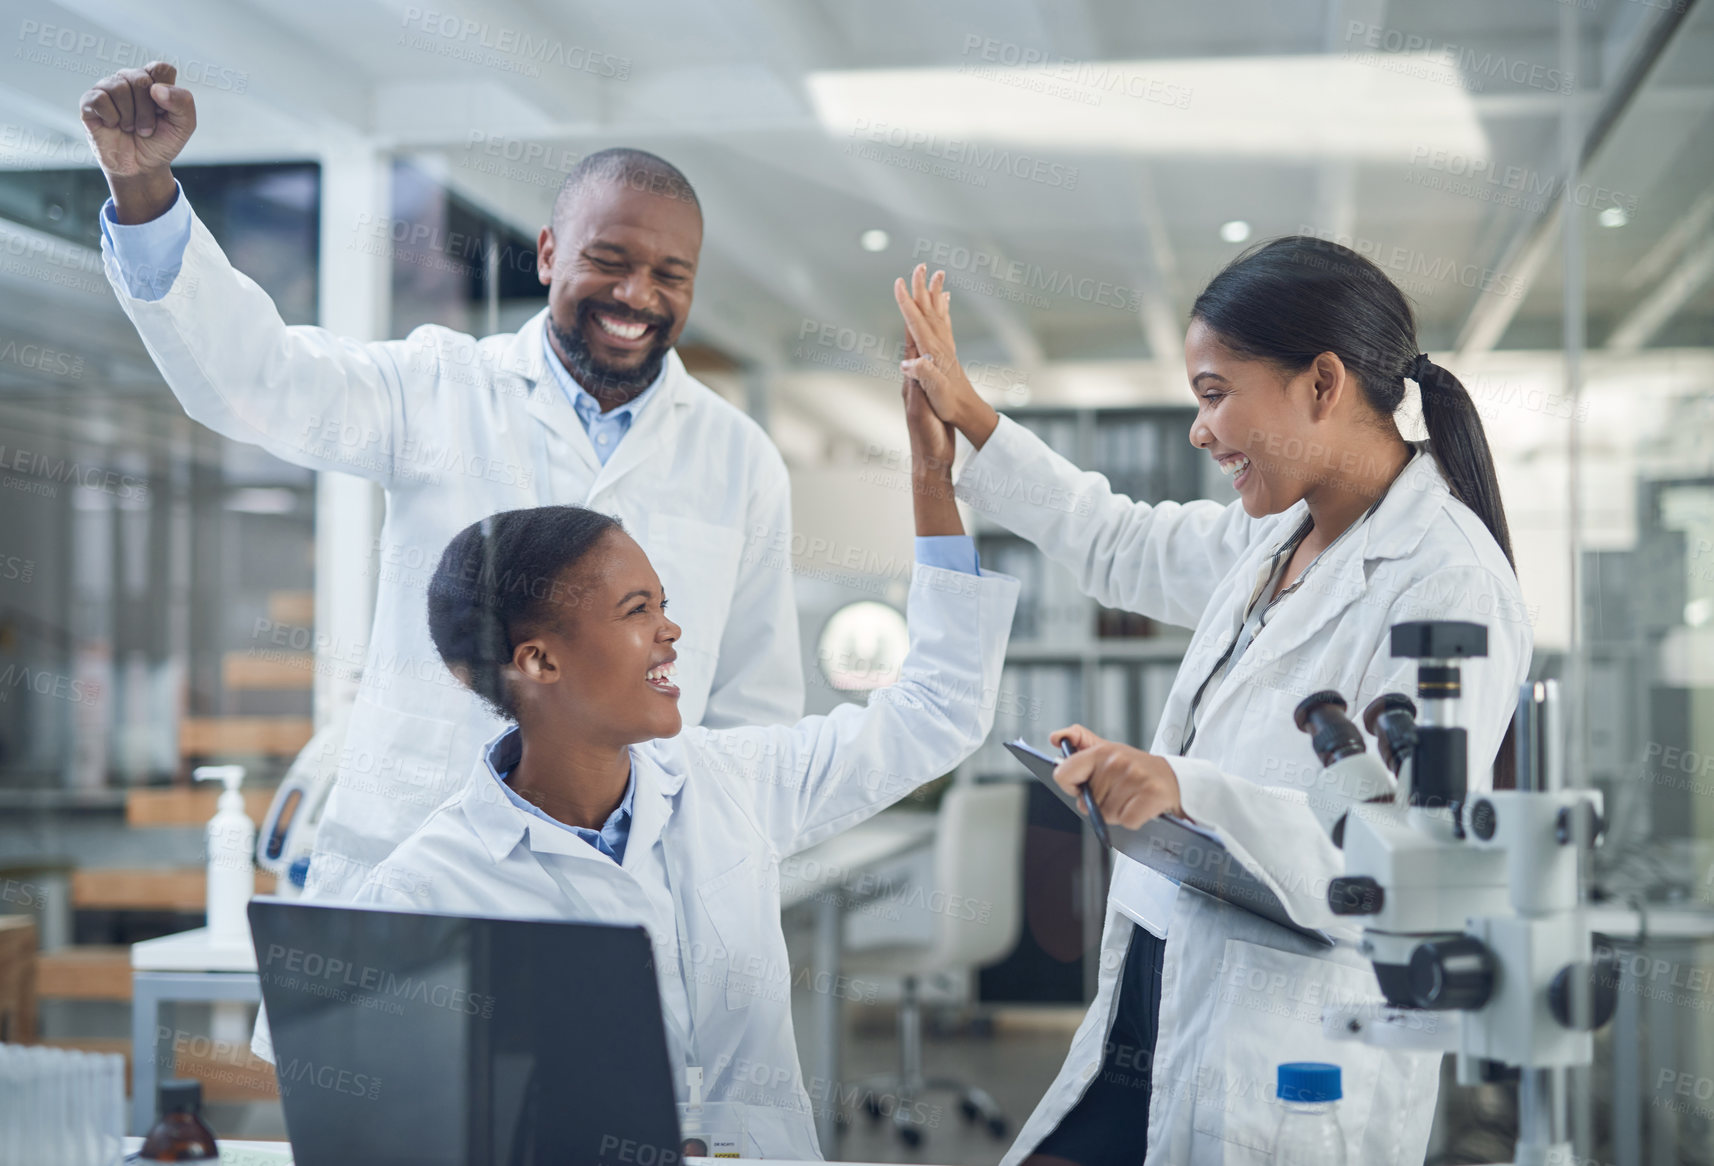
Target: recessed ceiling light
1235, 231
874, 239
1613, 216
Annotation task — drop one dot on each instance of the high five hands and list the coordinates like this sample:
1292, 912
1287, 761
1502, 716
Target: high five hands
932, 450
931, 356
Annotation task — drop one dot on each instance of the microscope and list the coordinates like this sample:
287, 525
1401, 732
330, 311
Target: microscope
1469, 905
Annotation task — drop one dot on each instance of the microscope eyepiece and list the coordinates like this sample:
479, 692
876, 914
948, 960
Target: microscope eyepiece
1387, 702
1391, 720
1306, 706
1332, 735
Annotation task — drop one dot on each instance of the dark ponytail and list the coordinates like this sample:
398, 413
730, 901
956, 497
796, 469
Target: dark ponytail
1290, 300
499, 582
1460, 446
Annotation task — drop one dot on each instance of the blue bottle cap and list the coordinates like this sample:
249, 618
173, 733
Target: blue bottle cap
298, 872
1309, 1081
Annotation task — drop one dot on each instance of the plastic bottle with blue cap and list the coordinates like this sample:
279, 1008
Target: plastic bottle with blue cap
1309, 1133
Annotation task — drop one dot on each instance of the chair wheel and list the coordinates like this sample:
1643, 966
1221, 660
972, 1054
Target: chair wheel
910, 1136
970, 1110
872, 1108
997, 1127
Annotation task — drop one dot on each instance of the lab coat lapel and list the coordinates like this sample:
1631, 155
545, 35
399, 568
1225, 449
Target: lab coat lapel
546, 401
1342, 577
653, 435
651, 809
1328, 590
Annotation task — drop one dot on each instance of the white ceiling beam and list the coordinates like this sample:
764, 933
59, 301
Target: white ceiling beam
1663, 303
1695, 224
275, 64
1335, 208
1159, 312
533, 96
1526, 252
790, 46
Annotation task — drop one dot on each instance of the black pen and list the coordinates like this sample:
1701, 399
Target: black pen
1089, 806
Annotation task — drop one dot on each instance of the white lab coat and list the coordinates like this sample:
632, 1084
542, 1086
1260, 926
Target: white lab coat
714, 812
1240, 995
457, 429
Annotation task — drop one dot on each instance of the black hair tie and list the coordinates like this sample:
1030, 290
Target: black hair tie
1420, 366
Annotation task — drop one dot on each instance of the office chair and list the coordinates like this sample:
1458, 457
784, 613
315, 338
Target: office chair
977, 900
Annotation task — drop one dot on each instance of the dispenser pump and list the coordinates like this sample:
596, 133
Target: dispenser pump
231, 857
232, 775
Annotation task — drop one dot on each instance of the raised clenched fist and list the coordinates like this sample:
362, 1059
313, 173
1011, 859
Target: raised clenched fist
138, 120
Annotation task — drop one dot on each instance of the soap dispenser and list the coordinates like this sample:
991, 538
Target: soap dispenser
231, 858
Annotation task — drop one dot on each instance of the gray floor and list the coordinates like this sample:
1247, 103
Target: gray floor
1015, 1067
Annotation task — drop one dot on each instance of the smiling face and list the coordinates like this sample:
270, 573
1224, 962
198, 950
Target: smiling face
605, 664
620, 265
1276, 434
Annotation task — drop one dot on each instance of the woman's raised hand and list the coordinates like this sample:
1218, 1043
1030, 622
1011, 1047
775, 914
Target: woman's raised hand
932, 446
926, 306
932, 450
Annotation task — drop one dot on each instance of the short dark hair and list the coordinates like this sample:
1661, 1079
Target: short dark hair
498, 583
638, 169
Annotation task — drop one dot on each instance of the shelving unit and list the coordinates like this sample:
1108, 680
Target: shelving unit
1071, 660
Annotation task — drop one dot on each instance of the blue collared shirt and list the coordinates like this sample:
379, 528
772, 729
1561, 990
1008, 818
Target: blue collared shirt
149, 254
607, 429
955, 552
503, 754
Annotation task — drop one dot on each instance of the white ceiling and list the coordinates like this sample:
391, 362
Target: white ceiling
1139, 129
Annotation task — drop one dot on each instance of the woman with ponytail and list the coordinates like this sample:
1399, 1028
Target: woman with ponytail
1298, 354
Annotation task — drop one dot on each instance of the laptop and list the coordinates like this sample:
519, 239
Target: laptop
441, 1040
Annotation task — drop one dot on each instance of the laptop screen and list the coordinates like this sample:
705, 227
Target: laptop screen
424, 1039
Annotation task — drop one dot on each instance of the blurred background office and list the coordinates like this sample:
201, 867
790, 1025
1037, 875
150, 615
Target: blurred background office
1537, 176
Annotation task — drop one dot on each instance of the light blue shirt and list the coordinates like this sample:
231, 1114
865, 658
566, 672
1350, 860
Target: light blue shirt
503, 754
607, 429
149, 254
955, 552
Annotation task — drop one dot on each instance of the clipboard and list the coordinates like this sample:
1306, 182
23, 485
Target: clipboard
1188, 854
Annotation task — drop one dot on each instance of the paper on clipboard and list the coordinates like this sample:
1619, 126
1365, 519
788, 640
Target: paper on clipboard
1185, 852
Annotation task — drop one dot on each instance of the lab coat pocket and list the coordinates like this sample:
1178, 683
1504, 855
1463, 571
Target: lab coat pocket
733, 902
397, 764
1267, 1011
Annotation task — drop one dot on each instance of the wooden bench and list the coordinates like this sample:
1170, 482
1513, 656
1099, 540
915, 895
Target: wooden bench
229, 1073
17, 979
103, 972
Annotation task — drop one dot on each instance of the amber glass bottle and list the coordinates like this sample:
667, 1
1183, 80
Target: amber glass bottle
180, 1135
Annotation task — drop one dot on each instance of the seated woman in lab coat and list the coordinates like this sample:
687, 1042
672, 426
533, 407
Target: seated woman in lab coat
1297, 353
596, 804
